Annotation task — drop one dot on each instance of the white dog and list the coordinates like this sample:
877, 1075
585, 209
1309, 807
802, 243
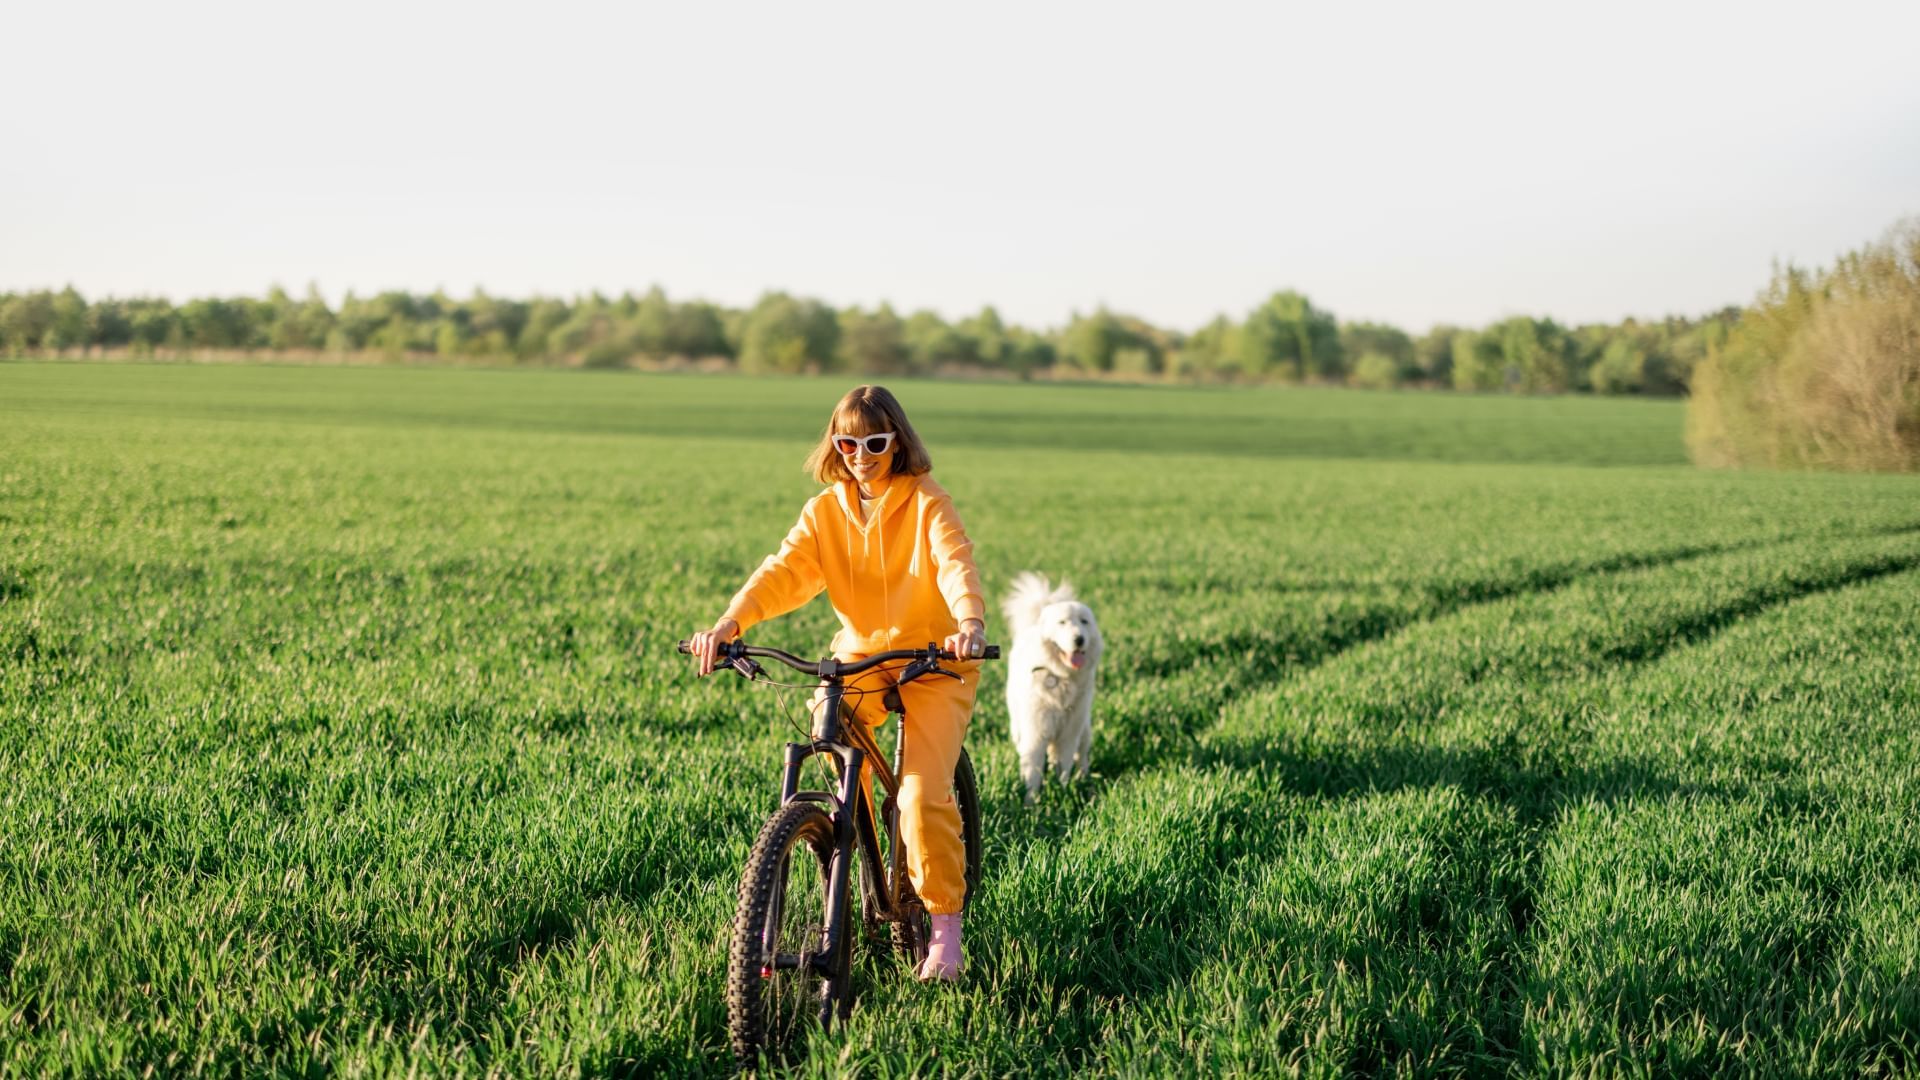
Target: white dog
1056, 648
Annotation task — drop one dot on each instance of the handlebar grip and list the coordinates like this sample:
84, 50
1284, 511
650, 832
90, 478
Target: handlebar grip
727, 649
989, 652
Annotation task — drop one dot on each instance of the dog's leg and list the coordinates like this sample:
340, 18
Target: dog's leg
1083, 752
1083, 731
1033, 767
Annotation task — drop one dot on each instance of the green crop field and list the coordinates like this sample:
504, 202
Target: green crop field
341, 731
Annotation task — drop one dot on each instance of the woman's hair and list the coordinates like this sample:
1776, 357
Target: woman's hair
868, 410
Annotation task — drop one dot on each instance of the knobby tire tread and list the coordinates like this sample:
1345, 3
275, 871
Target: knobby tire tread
793, 827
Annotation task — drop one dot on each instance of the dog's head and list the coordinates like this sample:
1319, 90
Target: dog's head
1069, 630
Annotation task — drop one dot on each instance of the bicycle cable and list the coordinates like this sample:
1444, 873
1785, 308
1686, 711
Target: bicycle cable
783, 697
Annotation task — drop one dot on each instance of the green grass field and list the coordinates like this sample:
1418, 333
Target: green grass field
342, 732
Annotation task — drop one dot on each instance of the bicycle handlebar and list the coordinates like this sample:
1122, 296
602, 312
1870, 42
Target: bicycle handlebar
734, 650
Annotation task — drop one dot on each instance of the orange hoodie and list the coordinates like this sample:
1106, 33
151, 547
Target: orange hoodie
900, 580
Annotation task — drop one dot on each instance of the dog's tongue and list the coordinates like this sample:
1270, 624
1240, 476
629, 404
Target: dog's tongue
1078, 659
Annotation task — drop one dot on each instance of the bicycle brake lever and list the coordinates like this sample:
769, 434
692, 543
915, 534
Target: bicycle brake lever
748, 667
924, 667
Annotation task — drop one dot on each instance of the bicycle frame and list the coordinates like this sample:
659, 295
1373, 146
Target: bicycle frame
856, 825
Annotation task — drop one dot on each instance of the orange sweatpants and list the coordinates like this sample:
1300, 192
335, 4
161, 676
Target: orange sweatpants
937, 712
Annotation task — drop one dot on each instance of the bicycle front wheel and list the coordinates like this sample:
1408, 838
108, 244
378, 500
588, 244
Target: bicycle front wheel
780, 977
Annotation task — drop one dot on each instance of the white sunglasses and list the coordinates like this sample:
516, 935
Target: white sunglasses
875, 445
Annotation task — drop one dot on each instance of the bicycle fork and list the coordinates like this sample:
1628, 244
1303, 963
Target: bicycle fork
833, 960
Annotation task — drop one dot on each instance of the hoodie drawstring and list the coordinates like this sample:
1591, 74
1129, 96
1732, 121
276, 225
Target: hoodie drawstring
867, 540
886, 591
919, 530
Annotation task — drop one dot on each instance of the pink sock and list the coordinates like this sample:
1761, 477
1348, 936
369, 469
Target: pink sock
943, 951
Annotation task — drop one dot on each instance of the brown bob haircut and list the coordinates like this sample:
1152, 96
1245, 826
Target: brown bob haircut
868, 410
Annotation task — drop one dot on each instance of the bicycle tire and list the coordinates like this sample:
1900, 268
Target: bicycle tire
773, 991
911, 937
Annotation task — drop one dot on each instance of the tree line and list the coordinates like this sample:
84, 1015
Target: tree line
1285, 339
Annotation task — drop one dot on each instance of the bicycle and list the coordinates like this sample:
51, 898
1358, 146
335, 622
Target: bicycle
790, 958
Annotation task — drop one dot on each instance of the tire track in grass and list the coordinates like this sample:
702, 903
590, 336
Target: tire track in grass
1708, 623
1770, 912
1550, 664
1214, 673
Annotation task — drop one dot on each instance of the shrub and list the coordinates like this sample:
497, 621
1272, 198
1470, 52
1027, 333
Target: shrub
1823, 371
1375, 372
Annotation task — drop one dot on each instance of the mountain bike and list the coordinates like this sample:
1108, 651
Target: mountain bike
789, 964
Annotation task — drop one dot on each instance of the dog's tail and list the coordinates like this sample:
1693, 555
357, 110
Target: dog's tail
1029, 594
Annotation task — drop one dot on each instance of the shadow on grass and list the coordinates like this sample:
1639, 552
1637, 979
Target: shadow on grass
13, 585
1169, 920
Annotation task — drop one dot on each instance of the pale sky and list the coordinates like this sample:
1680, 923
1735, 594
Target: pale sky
1412, 163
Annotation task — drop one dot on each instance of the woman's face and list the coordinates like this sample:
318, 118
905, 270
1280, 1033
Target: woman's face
868, 469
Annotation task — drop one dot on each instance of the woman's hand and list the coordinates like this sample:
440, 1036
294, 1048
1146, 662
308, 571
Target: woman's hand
970, 643
705, 645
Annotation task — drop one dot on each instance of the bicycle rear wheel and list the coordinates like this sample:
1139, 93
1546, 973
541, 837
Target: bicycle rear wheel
780, 979
911, 937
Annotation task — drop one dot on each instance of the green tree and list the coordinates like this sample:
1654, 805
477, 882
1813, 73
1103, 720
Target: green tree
153, 324
446, 337
988, 335
109, 323
652, 324
1621, 369
297, 325
1376, 371
26, 320
68, 328
1089, 341
698, 330
1535, 352
1212, 349
785, 333
544, 316
1028, 352
394, 338
1670, 370
216, 324
1477, 363
932, 342
1288, 338
1360, 339
873, 344
492, 326
1433, 355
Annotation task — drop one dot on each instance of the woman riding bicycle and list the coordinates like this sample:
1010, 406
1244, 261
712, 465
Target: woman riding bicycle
885, 543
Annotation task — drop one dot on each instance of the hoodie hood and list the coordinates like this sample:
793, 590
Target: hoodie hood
899, 492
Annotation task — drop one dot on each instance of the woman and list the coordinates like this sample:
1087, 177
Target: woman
885, 544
